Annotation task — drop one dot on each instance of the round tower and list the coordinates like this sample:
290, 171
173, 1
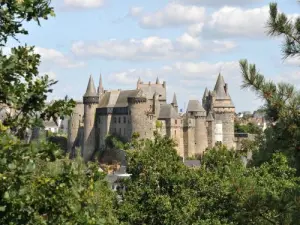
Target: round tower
90, 101
210, 130
74, 125
201, 142
141, 116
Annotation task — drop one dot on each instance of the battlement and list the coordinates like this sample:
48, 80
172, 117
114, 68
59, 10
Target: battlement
137, 100
90, 99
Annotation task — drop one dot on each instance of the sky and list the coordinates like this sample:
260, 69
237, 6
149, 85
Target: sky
186, 43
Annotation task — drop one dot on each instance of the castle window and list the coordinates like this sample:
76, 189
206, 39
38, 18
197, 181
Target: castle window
124, 131
175, 123
175, 133
119, 119
124, 119
120, 131
115, 119
115, 130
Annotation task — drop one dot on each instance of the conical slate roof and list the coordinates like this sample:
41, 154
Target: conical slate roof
100, 88
157, 80
195, 106
220, 88
91, 90
174, 102
210, 116
205, 93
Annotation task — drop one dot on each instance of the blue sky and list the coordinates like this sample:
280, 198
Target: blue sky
185, 42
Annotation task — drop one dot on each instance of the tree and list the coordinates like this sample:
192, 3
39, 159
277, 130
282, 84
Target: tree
279, 24
22, 89
37, 184
40, 186
162, 190
282, 100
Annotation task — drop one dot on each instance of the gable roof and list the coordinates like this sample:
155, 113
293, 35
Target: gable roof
194, 106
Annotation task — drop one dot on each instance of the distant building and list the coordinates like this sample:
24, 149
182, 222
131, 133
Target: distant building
144, 110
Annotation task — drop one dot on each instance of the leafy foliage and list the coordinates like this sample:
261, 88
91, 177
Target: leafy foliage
39, 186
279, 24
162, 190
22, 90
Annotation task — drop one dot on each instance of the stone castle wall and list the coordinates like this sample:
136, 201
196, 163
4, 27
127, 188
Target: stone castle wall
142, 121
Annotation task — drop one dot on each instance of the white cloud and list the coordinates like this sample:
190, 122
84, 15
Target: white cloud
136, 11
50, 74
195, 29
239, 22
173, 14
189, 79
84, 3
224, 45
293, 61
149, 48
57, 57
234, 21
218, 3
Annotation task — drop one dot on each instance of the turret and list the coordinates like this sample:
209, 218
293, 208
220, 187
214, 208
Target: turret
100, 87
224, 111
90, 101
141, 115
138, 83
200, 139
210, 129
174, 103
205, 99
157, 81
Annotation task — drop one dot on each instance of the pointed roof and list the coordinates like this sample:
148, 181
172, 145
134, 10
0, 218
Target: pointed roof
139, 80
195, 106
210, 116
91, 90
100, 88
205, 93
157, 80
174, 102
220, 88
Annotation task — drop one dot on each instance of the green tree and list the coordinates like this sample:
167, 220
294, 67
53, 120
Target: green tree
40, 186
160, 188
37, 184
282, 100
22, 89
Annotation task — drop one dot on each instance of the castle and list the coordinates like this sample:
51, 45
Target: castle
144, 110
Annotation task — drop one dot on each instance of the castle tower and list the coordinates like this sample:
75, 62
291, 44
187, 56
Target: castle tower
74, 127
224, 111
210, 129
174, 103
201, 142
100, 87
90, 101
141, 114
157, 81
196, 132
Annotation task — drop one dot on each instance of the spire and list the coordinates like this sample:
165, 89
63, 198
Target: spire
138, 83
91, 90
157, 80
174, 102
210, 116
139, 80
205, 93
220, 88
100, 88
